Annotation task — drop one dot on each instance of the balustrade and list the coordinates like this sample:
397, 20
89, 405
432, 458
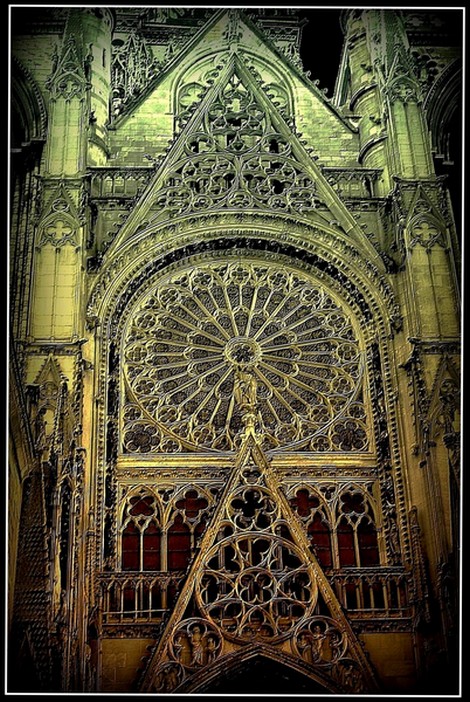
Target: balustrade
137, 596
364, 590
144, 597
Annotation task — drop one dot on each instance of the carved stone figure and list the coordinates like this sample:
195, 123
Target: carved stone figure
197, 647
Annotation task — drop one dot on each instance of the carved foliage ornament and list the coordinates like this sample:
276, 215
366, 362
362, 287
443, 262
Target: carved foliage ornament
191, 340
132, 67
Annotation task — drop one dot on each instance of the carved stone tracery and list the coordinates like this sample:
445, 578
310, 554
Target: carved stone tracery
236, 158
132, 67
188, 341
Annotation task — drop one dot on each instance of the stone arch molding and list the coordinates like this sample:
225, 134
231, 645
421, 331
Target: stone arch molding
319, 248
363, 294
236, 662
29, 104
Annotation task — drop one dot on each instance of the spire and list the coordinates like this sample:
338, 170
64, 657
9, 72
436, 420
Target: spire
402, 83
69, 77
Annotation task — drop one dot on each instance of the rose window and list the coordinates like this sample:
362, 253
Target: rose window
203, 336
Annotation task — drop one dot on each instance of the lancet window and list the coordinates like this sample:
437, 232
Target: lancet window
155, 537
342, 533
356, 531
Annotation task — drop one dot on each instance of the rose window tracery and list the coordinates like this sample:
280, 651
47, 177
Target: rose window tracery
207, 340
256, 586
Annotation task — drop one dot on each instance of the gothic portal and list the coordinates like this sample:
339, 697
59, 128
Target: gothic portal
234, 352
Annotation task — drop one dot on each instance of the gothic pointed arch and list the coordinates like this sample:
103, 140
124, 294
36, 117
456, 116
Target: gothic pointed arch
29, 113
255, 670
442, 107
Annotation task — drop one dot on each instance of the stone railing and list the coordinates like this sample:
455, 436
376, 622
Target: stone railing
118, 182
385, 592
146, 597
142, 597
353, 182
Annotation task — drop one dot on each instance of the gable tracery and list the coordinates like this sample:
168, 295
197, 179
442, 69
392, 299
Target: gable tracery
132, 67
196, 79
235, 156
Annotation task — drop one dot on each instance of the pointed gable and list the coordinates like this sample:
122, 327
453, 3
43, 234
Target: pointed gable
237, 151
68, 77
149, 117
425, 223
50, 373
255, 583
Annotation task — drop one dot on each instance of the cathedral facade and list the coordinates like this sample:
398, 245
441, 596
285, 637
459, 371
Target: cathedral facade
234, 353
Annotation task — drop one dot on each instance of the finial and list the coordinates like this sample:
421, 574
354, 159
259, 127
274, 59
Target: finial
233, 32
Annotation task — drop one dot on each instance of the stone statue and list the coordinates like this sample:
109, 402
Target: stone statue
245, 388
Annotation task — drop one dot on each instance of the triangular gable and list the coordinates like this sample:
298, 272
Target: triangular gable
422, 207
444, 393
237, 25
255, 582
68, 77
59, 203
50, 372
237, 152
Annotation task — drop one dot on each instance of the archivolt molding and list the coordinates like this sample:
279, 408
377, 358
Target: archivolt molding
235, 662
31, 105
366, 292
270, 234
345, 677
